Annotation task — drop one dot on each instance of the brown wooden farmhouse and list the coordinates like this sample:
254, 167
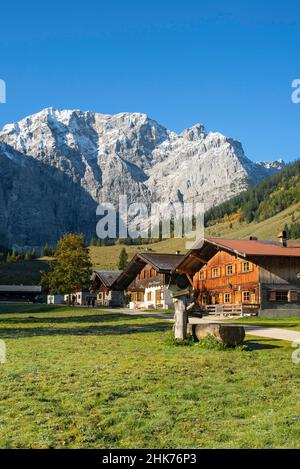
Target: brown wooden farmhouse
104, 285
258, 276
147, 279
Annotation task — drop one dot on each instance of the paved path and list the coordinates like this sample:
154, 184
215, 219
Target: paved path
259, 331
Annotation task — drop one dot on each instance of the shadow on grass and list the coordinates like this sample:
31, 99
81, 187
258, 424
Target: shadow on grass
21, 308
97, 318
120, 329
259, 344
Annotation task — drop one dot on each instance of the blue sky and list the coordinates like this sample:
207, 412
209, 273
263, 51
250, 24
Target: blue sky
228, 64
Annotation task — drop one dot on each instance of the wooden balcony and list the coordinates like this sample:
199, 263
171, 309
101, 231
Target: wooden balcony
245, 309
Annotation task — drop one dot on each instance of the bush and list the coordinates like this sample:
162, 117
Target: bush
210, 343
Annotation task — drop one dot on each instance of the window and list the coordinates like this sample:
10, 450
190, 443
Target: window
140, 296
246, 296
246, 267
279, 295
229, 269
201, 275
149, 296
227, 298
214, 272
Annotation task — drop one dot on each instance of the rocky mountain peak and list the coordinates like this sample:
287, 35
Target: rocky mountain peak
195, 133
98, 157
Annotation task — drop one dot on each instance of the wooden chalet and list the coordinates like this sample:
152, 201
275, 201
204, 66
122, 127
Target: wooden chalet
104, 285
233, 275
147, 279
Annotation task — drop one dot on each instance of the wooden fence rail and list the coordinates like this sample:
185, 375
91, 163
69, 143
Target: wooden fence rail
235, 309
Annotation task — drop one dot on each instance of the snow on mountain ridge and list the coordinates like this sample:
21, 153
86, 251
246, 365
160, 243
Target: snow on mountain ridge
129, 153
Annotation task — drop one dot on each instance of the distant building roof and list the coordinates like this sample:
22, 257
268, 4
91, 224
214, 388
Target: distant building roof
107, 277
205, 249
21, 288
162, 263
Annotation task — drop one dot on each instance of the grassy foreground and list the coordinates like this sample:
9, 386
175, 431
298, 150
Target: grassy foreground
77, 378
283, 323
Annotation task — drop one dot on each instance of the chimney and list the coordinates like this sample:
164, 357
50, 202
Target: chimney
283, 238
253, 238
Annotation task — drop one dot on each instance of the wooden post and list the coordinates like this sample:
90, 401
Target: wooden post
181, 319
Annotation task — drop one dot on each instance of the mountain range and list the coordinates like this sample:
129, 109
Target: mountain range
56, 166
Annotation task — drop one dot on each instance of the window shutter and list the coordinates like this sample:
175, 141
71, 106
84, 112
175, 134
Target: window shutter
292, 296
272, 296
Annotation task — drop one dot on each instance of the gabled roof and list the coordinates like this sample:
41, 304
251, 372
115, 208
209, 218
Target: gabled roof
162, 263
204, 250
107, 277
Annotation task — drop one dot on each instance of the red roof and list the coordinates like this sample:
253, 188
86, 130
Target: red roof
247, 247
205, 249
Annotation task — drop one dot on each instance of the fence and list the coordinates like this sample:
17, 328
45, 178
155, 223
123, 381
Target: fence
236, 309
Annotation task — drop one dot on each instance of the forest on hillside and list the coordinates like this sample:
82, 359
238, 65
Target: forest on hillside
263, 201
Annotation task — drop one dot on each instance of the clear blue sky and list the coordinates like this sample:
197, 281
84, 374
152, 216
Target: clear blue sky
228, 64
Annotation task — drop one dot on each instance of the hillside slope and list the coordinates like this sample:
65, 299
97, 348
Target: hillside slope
106, 257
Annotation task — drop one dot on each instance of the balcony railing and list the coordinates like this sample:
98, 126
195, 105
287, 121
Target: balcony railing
244, 309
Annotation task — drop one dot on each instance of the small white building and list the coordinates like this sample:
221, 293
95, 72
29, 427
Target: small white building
80, 296
55, 299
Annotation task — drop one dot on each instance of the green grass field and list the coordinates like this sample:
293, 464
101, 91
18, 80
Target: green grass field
89, 379
285, 323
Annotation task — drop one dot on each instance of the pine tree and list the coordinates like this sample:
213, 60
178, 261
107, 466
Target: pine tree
32, 254
123, 259
27, 256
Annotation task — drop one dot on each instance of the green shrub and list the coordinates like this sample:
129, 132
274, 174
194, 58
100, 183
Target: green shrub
210, 343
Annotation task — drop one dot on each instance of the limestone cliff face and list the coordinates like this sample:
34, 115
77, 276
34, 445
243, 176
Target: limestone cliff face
55, 166
38, 202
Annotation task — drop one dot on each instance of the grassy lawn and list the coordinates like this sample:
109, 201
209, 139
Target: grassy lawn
78, 378
285, 323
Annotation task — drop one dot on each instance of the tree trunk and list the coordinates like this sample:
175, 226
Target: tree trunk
181, 319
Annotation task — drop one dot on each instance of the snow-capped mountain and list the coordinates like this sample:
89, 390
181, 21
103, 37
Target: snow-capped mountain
92, 158
277, 164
